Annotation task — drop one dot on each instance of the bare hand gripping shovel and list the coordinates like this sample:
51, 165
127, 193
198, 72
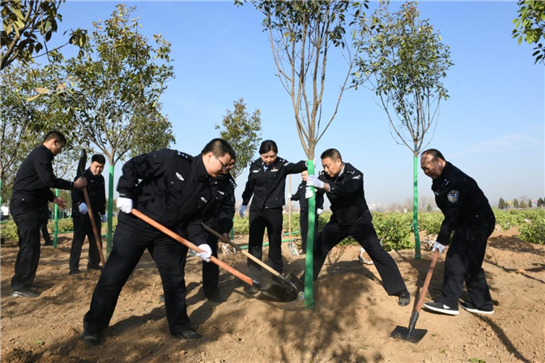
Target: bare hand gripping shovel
213, 259
289, 286
81, 173
411, 334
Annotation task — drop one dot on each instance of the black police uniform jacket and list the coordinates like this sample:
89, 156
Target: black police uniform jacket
347, 197
268, 186
169, 186
460, 199
35, 178
219, 213
96, 191
303, 201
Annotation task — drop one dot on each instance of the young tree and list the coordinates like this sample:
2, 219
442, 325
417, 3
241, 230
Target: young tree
516, 203
405, 61
302, 34
540, 203
530, 26
243, 131
429, 208
114, 89
523, 204
23, 21
530, 204
502, 204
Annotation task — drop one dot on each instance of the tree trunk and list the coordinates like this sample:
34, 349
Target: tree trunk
109, 235
415, 209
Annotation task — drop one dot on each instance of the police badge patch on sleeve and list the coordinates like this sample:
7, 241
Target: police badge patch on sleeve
452, 196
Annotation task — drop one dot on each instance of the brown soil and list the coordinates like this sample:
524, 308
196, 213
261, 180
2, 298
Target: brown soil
351, 322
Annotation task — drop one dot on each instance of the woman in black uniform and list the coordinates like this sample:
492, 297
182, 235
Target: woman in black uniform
267, 184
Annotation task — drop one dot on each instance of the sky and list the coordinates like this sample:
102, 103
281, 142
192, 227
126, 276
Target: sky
492, 126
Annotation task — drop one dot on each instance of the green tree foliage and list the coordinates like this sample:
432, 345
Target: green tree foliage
27, 26
530, 204
540, 203
243, 132
114, 86
404, 60
428, 208
502, 204
516, 203
523, 204
155, 133
302, 35
530, 26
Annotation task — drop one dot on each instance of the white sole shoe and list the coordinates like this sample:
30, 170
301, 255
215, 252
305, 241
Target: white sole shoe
441, 308
472, 309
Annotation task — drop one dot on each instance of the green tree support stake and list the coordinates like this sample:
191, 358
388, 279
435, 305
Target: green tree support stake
415, 210
0, 202
109, 239
309, 271
56, 231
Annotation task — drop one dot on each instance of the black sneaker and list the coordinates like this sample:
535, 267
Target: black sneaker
188, 334
469, 306
74, 272
404, 298
441, 308
250, 290
217, 298
89, 338
23, 293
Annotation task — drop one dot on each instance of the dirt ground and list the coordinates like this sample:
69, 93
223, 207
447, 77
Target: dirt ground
351, 322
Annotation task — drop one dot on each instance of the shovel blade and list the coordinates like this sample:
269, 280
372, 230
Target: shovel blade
414, 336
279, 293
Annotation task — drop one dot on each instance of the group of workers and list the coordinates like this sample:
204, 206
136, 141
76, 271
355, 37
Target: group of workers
180, 191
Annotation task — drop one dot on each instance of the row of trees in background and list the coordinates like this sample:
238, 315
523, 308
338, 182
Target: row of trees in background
502, 204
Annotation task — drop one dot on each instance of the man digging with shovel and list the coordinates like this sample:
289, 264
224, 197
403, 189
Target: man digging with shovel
172, 188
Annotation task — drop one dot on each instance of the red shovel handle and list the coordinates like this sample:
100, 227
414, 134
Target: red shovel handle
426, 282
192, 246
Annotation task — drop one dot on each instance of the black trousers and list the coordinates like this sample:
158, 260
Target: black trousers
130, 242
363, 232
27, 216
259, 220
464, 263
303, 222
82, 229
45, 234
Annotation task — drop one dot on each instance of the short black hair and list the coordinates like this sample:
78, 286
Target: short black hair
333, 154
267, 146
219, 147
436, 154
99, 158
57, 135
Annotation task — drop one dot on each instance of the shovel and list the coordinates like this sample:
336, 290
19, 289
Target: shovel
289, 283
268, 294
81, 173
411, 334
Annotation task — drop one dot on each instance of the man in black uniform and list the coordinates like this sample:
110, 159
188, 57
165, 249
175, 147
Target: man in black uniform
80, 216
219, 216
267, 184
28, 205
301, 196
351, 217
172, 188
467, 214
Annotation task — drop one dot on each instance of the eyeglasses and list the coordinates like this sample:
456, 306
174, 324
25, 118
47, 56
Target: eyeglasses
223, 166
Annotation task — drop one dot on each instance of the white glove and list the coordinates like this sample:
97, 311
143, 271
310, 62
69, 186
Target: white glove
438, 246
288, 196
206, 252
242, 211
104, 218
315, 182
124, 204
308, 193
83, 208
319, 211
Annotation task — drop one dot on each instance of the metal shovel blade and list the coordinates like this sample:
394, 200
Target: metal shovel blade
283, 289
401, 332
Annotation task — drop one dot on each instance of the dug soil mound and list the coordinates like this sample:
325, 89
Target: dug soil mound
351, 322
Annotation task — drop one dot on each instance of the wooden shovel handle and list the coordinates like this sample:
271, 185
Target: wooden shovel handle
192, 246
95, 232
418, 305
245, 253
